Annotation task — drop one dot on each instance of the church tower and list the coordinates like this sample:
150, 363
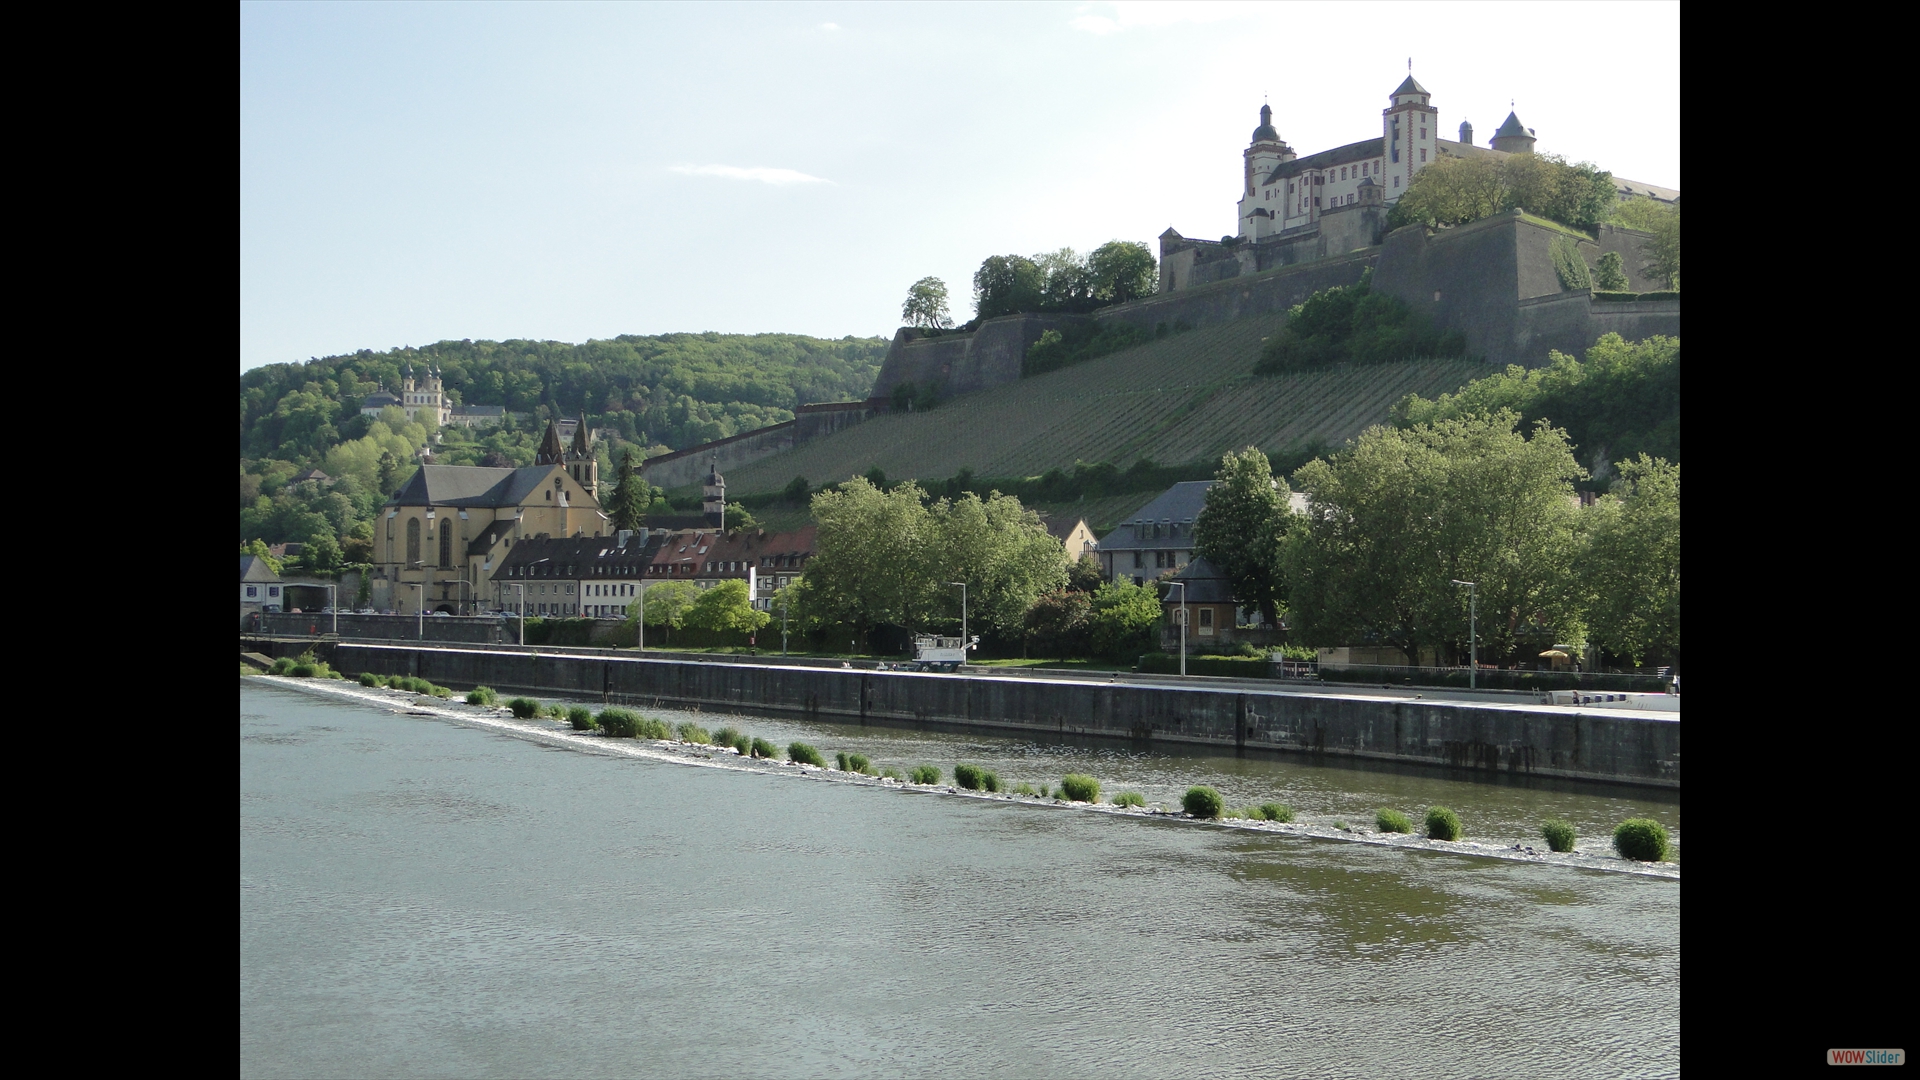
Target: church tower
1410, 135
583, 464
550, 452
1259, 201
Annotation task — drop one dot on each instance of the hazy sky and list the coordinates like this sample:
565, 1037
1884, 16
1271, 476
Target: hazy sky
412, 173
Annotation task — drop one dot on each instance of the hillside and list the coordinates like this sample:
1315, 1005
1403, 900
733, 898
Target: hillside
1190, 397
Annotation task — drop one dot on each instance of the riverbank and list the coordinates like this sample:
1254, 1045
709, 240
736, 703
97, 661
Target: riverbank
1591, 854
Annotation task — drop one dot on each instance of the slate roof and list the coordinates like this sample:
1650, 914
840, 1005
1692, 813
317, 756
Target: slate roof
470, 485
1178, 505
1513, 127
255, 568
1205, 585
490, 537
1411, 86
1364, 150
579, 557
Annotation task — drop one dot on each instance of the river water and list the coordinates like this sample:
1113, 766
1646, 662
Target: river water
435, 896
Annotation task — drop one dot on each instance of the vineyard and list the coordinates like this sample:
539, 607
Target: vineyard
1189, 397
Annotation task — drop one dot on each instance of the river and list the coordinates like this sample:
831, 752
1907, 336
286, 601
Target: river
432, 896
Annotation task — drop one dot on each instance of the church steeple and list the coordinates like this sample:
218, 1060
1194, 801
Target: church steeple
550, 452
582, 463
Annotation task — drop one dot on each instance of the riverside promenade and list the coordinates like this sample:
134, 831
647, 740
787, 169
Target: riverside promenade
1490, 737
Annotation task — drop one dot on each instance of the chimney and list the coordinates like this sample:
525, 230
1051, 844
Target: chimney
1466, 133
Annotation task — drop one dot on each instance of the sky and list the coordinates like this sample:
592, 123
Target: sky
411, 173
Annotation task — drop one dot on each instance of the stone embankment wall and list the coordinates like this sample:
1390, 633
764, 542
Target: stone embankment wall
1474, 736
470, 629
689, 467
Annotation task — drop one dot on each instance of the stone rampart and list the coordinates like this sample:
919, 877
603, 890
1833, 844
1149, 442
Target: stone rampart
1471, 736
1239, 297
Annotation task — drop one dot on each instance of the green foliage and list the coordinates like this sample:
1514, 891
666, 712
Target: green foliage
725, 608
1663, 221
1202, 802
1129, 798
726, 736
840, 761
1396, 518
1629, 570
1007, 285
1023, 788
1240, 528
1113, 273
666, 604
368, 678
990, 781
1642, 840
303, 671
1080, 787
1354, 324
1342, 826
481, 695
1558, 833
925, 774
582, 719
761, 748
1568, 264
691, 732
886, 556
1608, 274
971, 777
742, 745
927, 304
858, 763
805, 755
1121, 619
1057, 349
1274, 811
651, 728
524, 708
1056, 624
1455, 191
1392, 821
631, 496
1442, 824
1122, 270
615, 723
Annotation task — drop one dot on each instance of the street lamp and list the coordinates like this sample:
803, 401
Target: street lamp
1473, 635
963, 616
643, 616
521, 603
783, 623
1182, 586
421, 607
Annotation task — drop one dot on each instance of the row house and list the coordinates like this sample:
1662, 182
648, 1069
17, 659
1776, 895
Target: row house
767, 562
595, 577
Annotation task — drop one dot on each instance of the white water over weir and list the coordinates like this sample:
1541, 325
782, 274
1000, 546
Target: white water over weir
1598, 744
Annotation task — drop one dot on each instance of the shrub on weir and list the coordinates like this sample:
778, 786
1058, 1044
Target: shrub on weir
1080, 787
763, 748
1558, 834
1274, 811
691, 732
524, 708
1129, 798
1642, 840
1202, 802
1392, 821
970, 777
925, 774
805, 755
1442, 824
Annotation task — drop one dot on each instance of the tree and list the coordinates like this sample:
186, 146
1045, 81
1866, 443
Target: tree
631, 496
725, 608
1630, 570
1399, 516
1454, 191
1121, 270
1000, 549
666, 604
1663, 221
1056, 624
868, 556
322, 554
927, 304
739, 519
1240, 527
1084, 575
1450, 191
259, 548
1067, 283
1121, 619
1007, 285
1608, 275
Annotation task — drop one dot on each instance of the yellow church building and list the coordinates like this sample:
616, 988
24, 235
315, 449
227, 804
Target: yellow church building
440, 538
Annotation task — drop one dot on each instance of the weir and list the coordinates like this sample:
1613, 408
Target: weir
1489, 738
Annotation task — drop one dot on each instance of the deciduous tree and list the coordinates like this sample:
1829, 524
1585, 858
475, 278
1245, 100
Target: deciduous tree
1240, 527
1630, 570
927, 304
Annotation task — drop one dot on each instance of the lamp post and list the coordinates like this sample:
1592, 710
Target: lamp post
783, 624
643, 616
963, 615
521, 603
333, 605
1182, 586
1473, 635
421, 608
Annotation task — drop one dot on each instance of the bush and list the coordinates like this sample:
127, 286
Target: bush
925, 774
892, 774
763, 748
990, 781
1559, 834
1080, 787
1642, 840
303, 671
368, 678
1274, 811
726, 736
651, 728
743, 744
1442, 824
1342, 826
1129, 798
968, 776
857, 763
1023, 788
443, 692
482, 695
1202, 802
804, 754
281, 666
1392, 821
524, 708
581, 718
840, 761
693, 733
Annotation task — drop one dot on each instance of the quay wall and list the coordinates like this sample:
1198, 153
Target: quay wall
1456, 735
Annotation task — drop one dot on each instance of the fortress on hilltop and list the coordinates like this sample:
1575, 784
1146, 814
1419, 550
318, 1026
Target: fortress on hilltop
1295, 209
1305, 224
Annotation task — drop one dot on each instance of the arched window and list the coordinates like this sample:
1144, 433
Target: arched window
413, 541
446, 543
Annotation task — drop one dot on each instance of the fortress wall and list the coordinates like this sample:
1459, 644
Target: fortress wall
995, 354
813, 421
1636, 251
1238, 298
1465, 279
1636, 321
918, 360
689, 467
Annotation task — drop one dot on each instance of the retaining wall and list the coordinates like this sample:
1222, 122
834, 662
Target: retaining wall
1474, 736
